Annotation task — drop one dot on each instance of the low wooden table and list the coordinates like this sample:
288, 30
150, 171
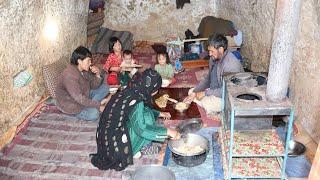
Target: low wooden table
200, 63
179, 94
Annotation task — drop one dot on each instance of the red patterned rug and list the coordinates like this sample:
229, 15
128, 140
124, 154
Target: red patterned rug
146, 56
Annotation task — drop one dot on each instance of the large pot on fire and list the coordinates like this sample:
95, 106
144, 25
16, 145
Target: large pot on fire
190, 150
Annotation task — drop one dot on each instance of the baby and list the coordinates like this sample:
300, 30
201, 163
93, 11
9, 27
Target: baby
128, 63
127, 68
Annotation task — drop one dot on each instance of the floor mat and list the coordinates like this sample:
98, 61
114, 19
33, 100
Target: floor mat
186, 79
57, 146
146, 56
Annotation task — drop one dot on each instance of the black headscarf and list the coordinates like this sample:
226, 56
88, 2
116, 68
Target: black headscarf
113, 141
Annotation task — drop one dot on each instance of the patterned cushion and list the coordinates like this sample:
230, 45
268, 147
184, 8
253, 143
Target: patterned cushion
101, 43
51, 74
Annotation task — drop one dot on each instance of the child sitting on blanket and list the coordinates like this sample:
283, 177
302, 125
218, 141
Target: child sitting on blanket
164, 68
128, 64
112, 65
127, 68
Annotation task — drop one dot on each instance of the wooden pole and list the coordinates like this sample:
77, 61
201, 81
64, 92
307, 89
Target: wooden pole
284, 36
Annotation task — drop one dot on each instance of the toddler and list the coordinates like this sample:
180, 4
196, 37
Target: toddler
164, 68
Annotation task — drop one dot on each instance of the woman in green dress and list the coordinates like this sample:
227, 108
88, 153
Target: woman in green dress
129, 122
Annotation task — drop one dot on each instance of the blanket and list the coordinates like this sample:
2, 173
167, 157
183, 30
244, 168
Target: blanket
101, 43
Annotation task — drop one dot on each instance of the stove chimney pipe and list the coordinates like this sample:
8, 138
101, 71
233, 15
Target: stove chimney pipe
284, 36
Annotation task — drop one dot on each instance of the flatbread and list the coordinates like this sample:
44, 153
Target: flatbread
162, 101
181, 106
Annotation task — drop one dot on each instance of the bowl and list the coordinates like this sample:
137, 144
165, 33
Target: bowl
165, 82
153, 172
296, 148
181, 106
189, 126
113, 90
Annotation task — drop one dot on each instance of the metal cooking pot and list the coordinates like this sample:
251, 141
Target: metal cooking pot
191, 159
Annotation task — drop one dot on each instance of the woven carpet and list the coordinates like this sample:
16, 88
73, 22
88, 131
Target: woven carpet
186, 79
53, 145
146, 56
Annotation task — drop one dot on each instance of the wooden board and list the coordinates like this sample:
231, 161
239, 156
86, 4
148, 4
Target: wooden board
195, 63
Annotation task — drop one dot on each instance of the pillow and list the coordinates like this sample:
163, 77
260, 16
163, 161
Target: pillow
51, 74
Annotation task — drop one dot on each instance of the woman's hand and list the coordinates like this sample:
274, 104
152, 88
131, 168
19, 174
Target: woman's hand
175, 135
165, 115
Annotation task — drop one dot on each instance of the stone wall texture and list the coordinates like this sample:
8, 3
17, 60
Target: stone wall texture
155, 20
305, 81
255, 18
24, 47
